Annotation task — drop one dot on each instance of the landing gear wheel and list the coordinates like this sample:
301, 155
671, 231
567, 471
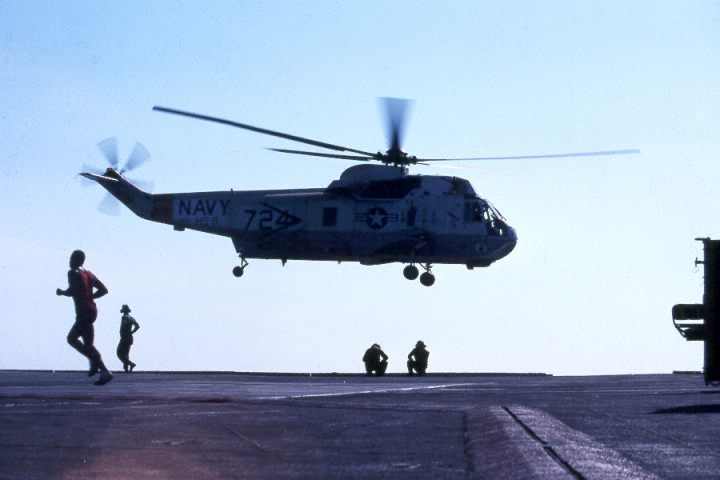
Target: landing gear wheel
427, 279
410, 272
240, 269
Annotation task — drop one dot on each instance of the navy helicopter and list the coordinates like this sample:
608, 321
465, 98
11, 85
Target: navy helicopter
373, 214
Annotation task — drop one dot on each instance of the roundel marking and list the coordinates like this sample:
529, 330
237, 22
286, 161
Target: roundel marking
377, 218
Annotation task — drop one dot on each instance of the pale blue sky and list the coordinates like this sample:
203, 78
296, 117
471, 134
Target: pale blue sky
605, 245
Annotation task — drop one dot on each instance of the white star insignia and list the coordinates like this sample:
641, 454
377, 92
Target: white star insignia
376, 219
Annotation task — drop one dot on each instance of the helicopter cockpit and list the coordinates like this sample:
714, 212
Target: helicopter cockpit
478, 210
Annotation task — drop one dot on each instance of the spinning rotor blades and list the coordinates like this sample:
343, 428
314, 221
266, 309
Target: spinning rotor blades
138, 156
395, 114
109, 149
395, 119
547, 155
265, 131
109, 205
326, 155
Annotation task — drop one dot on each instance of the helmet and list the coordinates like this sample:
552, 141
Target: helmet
125, 309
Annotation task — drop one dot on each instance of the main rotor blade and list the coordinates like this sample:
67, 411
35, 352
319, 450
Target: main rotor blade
138, 156
109, 149
318, 154
265, 131
549, 155
395, 113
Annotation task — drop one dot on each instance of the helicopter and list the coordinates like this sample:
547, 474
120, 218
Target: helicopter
374, 213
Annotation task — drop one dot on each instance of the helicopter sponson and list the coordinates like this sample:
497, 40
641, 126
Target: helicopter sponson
373, 214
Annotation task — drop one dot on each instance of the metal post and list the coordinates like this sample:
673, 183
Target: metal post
711, 301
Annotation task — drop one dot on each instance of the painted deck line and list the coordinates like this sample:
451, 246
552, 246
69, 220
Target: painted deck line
364, 392
586, 457
498, 447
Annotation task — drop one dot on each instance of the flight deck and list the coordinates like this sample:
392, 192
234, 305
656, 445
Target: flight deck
231, 425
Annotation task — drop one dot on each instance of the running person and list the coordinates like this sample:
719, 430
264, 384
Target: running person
128, 326
84, 288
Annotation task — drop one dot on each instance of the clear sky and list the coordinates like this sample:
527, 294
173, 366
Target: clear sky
605, 244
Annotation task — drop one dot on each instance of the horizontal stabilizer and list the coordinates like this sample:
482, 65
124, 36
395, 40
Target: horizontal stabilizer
98, 178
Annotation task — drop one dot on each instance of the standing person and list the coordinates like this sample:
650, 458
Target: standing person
375, 360
418, 359
128, 326
84, 288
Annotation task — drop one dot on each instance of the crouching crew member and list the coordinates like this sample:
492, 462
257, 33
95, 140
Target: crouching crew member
418, 359
375, 360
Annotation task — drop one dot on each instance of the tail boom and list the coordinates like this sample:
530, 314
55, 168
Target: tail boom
140, 202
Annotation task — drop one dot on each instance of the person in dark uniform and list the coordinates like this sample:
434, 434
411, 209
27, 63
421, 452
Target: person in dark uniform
418, 359
85, 288
128, 326
375, 360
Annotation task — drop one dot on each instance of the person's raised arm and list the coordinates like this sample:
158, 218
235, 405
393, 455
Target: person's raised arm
101, 289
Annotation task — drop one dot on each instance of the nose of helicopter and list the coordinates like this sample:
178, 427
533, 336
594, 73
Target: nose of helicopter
510, 242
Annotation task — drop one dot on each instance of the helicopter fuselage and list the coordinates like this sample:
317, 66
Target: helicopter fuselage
373, 215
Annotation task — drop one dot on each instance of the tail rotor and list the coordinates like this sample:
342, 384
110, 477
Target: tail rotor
109, 148
138, 156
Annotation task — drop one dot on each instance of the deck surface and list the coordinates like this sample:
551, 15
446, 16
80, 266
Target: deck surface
215, 425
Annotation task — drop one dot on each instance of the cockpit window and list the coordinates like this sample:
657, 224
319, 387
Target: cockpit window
474, 212
479, 211
496, 211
